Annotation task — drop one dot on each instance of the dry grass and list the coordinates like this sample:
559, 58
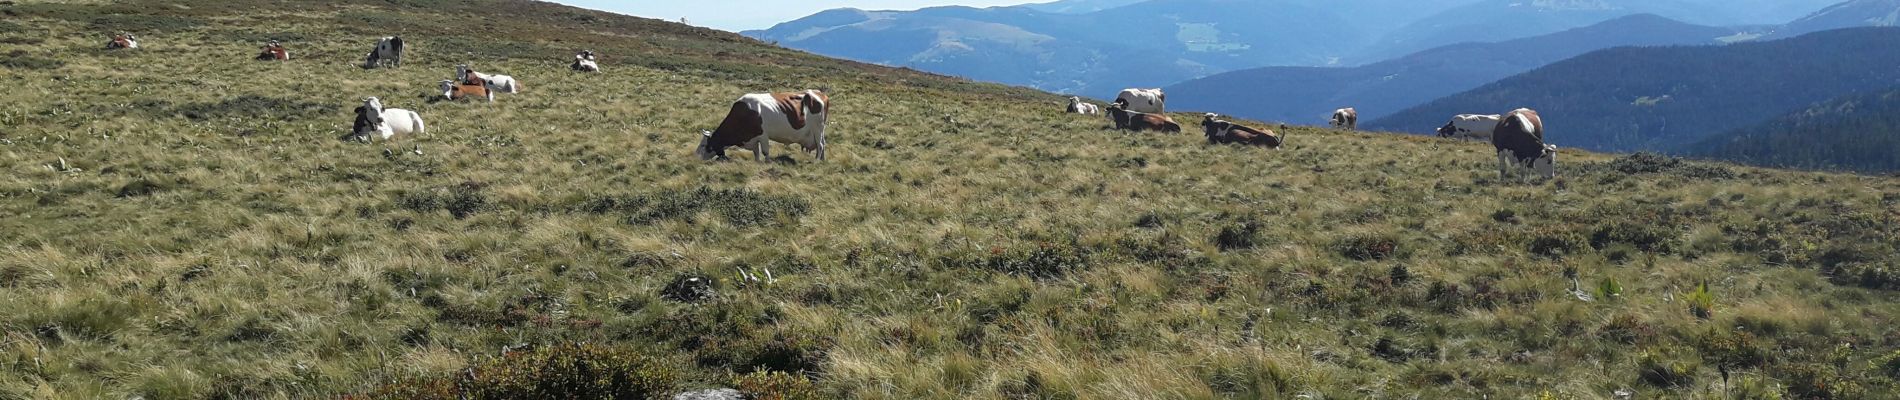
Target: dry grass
197, 244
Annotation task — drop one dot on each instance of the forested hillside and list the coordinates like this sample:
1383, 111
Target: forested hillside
1308, 95
1859, 132
1659, 98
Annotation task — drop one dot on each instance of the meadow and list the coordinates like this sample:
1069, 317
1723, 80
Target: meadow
182, 222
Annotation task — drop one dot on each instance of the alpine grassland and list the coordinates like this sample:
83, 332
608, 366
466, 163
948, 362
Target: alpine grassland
181, 222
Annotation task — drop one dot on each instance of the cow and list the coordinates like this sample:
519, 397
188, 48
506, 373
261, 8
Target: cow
758, 119
494, 83
388, 52
1151, 101
372, 118
584, 62
1077, 106
1223, 132
1140, 121
1519, 139
452, 90
274, 52
1346, 118
123, 41
1470, 126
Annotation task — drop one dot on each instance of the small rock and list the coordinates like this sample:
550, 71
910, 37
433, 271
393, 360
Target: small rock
688, 289
1624, 394
710, 394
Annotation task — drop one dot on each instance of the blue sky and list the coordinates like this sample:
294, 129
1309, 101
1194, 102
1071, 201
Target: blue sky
736, 15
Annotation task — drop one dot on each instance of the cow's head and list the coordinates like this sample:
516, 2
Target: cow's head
705, 150
814, 102
370, 61
1450, 128
368, 118
461, 72
448, 88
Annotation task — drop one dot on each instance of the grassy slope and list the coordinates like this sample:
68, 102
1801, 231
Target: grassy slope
193, 249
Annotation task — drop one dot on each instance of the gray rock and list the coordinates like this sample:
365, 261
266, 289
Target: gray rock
710, 394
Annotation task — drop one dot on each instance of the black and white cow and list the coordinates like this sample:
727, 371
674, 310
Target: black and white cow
1077, 106
388, 52
1151, 101
1346, 118
374, 121
1470, 126
585, 62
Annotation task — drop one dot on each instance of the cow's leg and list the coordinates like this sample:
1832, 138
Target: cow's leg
821, 146
1504, 164
760, 149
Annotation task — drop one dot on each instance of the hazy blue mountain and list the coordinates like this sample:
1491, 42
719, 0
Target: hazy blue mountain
1856, 13
1148, 44
1859, 132
1659, 98
1307, 94
1079, 6
1499, 20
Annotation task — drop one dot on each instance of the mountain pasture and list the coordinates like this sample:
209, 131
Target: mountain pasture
181, 222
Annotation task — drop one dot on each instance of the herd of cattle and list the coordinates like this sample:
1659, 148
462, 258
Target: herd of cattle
756, 120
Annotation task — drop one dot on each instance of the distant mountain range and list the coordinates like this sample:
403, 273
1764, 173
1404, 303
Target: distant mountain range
1308, 94
1856, 13
1660, 98
1097, 47
1146, 44
1859, 132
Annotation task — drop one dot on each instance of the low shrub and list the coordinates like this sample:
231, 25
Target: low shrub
581, 371
18, 59
1666, 372
1645, 237
1368, 248
774, 385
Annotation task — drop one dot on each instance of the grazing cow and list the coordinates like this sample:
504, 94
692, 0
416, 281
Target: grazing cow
123, 41
584, 62
1519, 139
388, 52
1346, 118
1143, 100
1470, 126
1223, 132
453, 90
1140, 121
1077, 106
385, 122
759, 119
274, 52
494, 83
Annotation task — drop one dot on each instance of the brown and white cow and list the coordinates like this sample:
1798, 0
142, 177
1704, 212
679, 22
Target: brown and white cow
1143, 100
452, 90
1346, 118
273, 52
758, 119
1077, 106
1223, 132
1140, 121
123, 41
1519, 139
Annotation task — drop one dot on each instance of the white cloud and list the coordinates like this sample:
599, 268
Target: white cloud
736, 15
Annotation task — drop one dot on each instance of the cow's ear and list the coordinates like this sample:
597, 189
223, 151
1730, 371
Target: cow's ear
359, 109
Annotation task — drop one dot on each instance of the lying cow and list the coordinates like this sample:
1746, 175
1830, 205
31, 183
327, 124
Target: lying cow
1077, 106
584, 62
1140, 121
1519, 139
1143, 100
1346, 118
123, 41
759, 119
274, 52
386, 123
494, 83
1470, 126
1223, 132
388, 52
452, 90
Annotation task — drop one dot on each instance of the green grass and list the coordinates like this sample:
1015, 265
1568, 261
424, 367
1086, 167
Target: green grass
182, 222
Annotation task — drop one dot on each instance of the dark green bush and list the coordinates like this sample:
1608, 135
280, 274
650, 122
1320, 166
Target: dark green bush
1645, 237
583, 371
1368, 248
1871, 276
774, 385
1664, 372
1556, 244
18, 59
1240, 236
